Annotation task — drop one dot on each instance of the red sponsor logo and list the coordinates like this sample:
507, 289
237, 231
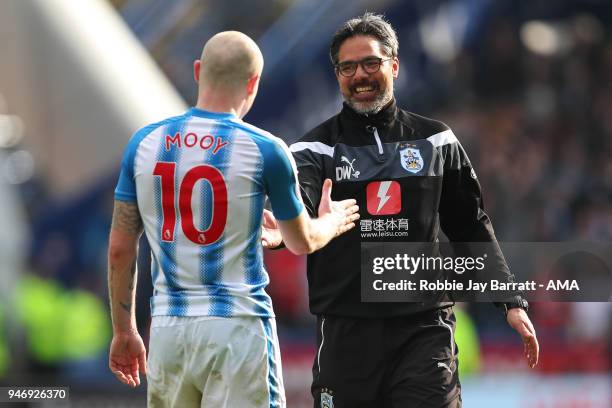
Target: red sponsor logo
384, 197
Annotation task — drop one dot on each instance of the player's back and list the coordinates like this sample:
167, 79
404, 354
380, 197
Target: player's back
200, 190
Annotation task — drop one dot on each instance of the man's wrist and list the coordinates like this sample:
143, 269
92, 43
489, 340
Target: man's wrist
125, 331
516, 303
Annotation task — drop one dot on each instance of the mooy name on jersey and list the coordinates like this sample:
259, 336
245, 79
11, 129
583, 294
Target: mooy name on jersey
192, 139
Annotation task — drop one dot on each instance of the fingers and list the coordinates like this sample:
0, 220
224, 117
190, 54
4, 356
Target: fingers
532, 350
346, 227
352, 210
268, 244
326, 190
123, 378
134, 373
268, 219
352, 217
142, 363
349, 203
518, 319
123, 374
327, 187
531, 346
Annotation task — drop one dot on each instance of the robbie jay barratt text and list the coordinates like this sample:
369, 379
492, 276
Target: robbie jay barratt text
493, 285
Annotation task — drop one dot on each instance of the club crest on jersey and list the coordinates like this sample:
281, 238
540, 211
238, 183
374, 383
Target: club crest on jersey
327, 400
411, 159
347, 170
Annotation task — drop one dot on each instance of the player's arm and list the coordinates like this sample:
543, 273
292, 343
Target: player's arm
300, 233
304, 235
122, 251
310, 170
127, 353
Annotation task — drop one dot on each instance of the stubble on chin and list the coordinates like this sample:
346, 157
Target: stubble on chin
370, 108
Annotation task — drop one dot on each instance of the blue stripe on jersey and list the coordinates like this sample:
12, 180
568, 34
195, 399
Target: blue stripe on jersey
211, 256
177, 299
253, 260
126, 186
273, 385
279, 177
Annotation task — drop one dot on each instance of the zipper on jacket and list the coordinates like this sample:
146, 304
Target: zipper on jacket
373, 130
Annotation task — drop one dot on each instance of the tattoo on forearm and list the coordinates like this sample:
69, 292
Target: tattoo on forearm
127, 217
132, 276
126, 306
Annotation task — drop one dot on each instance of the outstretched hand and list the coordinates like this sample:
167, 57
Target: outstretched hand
127, 358
343, 213
270, 232
517, 319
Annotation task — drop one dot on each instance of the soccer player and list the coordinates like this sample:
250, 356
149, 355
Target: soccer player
411, 176
196, 184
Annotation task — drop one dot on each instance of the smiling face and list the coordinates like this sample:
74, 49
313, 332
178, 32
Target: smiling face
364, 92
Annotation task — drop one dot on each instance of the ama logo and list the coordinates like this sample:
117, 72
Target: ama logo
384, 197
346, 172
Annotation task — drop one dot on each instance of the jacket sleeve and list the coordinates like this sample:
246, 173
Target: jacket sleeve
463, 218
309, 158
462, 215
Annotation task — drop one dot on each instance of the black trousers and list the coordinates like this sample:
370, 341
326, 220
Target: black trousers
407, 362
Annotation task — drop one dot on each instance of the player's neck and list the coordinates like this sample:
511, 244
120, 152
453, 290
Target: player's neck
213, 102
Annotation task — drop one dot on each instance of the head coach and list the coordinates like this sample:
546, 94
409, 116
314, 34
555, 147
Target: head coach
398, 163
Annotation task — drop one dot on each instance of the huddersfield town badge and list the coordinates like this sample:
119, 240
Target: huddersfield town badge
327, 400
411, 159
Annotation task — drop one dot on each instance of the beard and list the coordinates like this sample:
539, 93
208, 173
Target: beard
371, 107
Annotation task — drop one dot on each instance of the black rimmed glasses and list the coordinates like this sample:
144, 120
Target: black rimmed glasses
371, 65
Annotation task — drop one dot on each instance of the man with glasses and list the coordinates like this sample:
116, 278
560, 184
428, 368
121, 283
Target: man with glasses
408, 174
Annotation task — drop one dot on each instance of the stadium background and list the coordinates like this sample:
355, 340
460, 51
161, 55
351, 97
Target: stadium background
526, 86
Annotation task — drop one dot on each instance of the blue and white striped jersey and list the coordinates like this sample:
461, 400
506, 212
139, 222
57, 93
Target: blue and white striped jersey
200, 181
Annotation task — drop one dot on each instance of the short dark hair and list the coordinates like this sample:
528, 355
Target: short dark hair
370, 24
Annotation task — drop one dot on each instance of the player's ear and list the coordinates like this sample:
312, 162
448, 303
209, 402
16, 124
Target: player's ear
252, 84
196, 70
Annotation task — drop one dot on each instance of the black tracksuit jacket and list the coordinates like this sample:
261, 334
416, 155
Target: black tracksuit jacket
432, 174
